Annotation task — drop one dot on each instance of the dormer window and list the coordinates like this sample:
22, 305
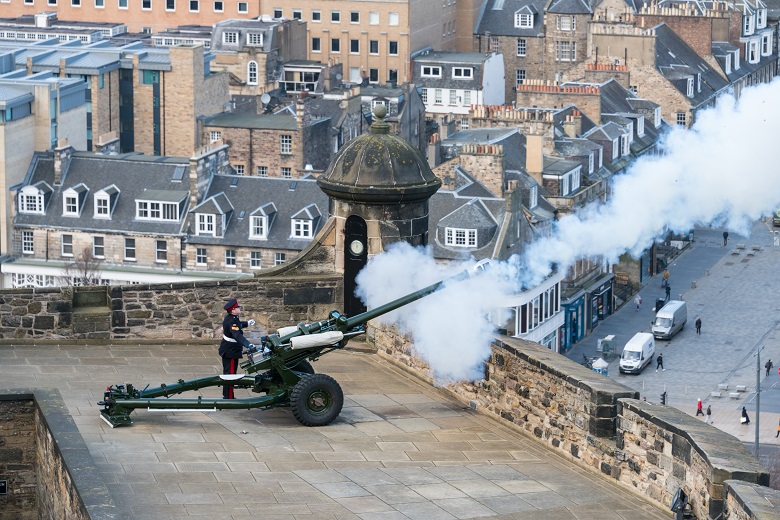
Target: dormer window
753, 54
230, 37
766, 44
761, 19
462, 72
698, 82
258, 227
302, 228
748, 24
640, 126
690, 87
105, 202
591, 161
615, 149
101, 207
457, 237
431, 72
736, 59
73, 200
657, 117
524, 20
31, 200
533, 199
254, 39
625, 141
205, 223
150, 210
71, 206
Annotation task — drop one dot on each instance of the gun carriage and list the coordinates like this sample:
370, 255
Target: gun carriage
279, 370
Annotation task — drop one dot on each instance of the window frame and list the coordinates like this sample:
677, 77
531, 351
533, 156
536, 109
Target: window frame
205, 224
127, 248
354, 46
66, 243
28, 242
316, 16
251, 73
200, 254
373, 47
354, 17
161, 253
460, 73
393, 19
231, 258
522, 47
373, 18
102, 207
301, 228
433, 71
335, 16
255, 259
230, 38
245, 6
524, 21
99, 246
152, 207
460, 237
318, 47
335, 46
285, 144
70, 206
258, 227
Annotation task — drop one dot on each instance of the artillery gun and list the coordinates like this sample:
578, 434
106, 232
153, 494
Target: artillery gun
280, 370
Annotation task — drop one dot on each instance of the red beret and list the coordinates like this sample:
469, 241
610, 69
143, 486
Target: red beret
232, 304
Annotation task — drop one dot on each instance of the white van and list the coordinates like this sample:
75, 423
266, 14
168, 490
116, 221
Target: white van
670, 319
637, 353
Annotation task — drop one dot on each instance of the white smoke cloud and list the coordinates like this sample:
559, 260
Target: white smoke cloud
450, 328
722, 171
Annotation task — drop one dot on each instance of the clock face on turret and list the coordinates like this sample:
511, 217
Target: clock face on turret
356, 247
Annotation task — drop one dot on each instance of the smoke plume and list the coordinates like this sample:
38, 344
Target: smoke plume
721, 172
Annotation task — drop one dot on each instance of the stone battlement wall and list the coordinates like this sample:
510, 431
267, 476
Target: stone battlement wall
602, 425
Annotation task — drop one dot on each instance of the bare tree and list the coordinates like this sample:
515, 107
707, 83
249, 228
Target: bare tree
84, 270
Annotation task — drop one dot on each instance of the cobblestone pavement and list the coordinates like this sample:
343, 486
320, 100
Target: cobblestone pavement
400, 449
736, 291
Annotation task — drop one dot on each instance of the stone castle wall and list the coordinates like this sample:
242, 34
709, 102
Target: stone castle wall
600, 424
18, 459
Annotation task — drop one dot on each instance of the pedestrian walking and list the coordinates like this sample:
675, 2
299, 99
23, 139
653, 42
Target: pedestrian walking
665, 279
745, 419
778, 429
768, 365
708, 418
659, 363
699, 411
637, 301
697, 323
725, 237
668, 292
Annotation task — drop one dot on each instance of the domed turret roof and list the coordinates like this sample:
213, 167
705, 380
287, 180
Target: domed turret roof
379, 168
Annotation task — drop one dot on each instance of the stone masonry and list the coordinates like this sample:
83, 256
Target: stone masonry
18, 459
598, 423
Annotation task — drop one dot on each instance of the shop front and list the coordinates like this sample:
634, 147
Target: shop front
599, 300
574, 322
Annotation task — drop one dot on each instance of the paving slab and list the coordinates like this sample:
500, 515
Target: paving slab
412, 464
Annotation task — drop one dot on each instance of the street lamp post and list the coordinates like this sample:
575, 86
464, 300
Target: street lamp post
758, 396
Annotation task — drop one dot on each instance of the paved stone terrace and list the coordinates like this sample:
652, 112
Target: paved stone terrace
399, 450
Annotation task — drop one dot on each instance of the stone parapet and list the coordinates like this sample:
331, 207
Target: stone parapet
650, 449
50, 472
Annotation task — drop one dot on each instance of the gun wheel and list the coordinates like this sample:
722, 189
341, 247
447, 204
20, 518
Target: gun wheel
316, 400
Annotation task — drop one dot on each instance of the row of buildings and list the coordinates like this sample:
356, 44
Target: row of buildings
193, 152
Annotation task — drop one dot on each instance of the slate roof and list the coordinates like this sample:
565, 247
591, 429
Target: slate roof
281, 121
239, 197
676, 61
569, 7
501, 22
135, 176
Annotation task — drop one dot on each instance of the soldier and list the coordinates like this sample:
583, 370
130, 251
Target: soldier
233, 342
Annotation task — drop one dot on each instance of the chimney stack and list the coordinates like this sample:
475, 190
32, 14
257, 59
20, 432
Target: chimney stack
534, 156
62, 155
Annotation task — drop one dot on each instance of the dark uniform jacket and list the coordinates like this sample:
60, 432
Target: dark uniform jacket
233, 340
